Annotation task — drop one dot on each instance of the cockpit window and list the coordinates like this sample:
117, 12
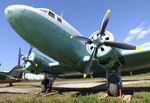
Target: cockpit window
44, 10
51, 14
59, 19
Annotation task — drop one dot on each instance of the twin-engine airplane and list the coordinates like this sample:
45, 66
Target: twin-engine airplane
53, 36
13, 75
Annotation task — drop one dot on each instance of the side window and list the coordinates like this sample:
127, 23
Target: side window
51, 14
59, 19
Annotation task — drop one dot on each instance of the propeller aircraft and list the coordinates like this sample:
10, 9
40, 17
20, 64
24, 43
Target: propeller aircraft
13, 75
74, 53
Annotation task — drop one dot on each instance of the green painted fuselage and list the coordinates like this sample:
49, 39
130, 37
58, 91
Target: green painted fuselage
48, 35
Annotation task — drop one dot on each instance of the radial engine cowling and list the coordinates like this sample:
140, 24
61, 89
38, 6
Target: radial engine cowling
104, 51
36, 63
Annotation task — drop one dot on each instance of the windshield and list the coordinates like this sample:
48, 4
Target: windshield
44, 10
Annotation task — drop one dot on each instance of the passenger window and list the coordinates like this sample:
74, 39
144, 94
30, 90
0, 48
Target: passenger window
59, 19
51, 14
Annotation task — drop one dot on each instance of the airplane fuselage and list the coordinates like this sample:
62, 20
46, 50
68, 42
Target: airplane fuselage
47, 33
50, 34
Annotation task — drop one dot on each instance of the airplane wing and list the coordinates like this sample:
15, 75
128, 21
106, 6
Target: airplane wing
38, 64
62, 70
131, 60
134, 60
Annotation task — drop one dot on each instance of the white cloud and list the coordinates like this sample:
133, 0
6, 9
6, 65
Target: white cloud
137, 33
144, 33
145, 45
128, 38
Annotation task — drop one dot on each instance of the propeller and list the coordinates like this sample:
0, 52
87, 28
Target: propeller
26, 58
21, 69
98, 42
18, 67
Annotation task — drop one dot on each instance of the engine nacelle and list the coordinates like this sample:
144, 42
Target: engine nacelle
106, 55
37, 63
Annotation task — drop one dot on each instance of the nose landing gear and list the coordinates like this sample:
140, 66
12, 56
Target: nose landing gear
114, 82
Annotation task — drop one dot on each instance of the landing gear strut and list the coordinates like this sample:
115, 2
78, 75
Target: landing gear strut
46, 84
114, 82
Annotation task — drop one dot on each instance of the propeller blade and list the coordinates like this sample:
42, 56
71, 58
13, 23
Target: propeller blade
19, 57
104, 22
80, 38
29, 52
122, 45
88, 66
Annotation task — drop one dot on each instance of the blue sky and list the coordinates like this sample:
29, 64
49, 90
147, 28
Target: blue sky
129, 22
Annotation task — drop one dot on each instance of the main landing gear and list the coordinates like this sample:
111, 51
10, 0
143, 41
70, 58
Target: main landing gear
46, 84
114, 82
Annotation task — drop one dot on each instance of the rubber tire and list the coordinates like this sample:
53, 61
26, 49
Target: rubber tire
113, 89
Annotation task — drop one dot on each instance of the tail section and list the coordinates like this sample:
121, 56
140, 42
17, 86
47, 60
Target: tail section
15, 73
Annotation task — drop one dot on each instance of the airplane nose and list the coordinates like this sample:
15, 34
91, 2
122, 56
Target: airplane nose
13, 12
8, 12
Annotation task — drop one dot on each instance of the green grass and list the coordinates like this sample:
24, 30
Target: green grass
141, 97
64, 99
69, 97
138, 97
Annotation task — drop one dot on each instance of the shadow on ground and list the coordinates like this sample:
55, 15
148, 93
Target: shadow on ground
99, 88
